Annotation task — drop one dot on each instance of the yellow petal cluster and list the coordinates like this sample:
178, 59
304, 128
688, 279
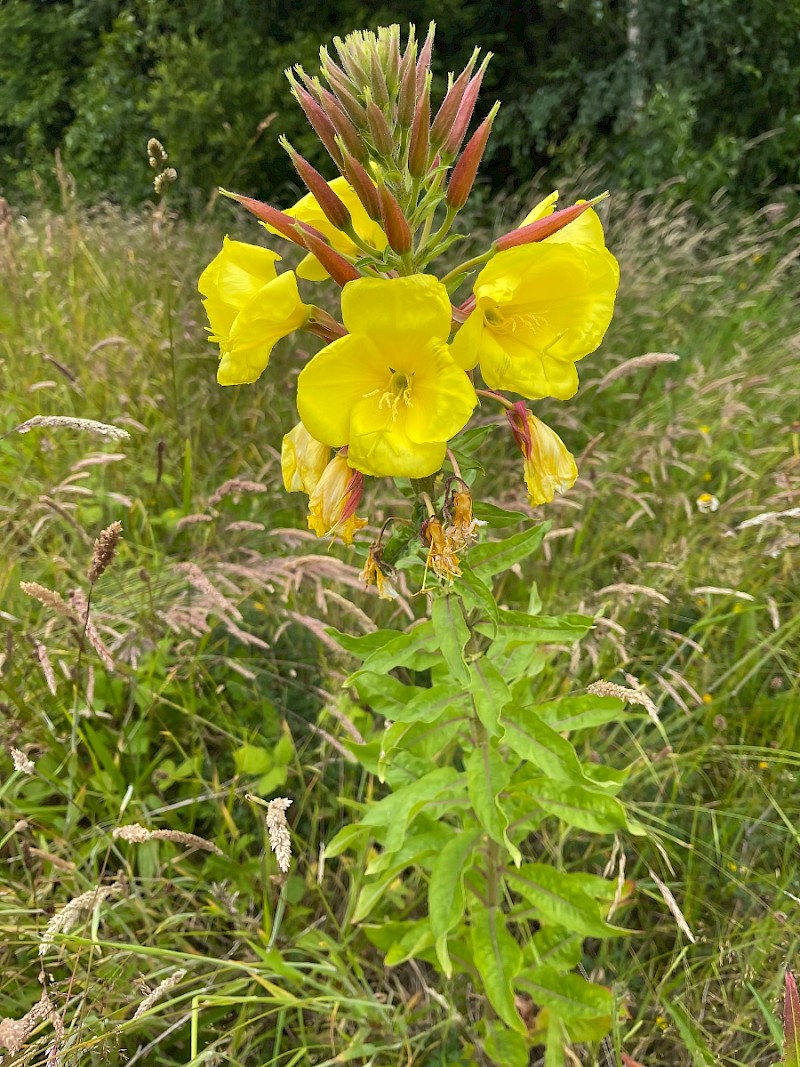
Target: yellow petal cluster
549, 467
389, 390
249, 307
303, 460
540, 308
332, 505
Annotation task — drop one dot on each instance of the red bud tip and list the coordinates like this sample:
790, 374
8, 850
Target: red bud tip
323, 127
379, 130
397, 230
339, 268
407, 97
546, 227
284, 224
341, 124
465, 109
332, 207
445, 117
424, 61
364, 187
464, 172
419, 144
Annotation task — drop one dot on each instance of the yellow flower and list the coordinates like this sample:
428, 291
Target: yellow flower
376, 572
250, 307
541, 307
332, 505
389, 390
302, 460
549, 466
308, 210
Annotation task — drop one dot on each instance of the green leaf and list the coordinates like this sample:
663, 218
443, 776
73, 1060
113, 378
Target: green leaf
428, 705
695, 1043
498, 959
541, 628
568, 996
554, 946
497, 517
400, 650
361, 646
581, 712
446, 892
554, 1046
395, 812
488, 774
493, 557
791, 1023
476, 594
542, 746
382, 693
452, 633
417, 847
577, 806
346, 837
252, 759
414, 942
556, 898
372, 893
471, 440
489, 692
506, 1046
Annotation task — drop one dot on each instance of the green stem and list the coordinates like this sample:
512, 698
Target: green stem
466, 266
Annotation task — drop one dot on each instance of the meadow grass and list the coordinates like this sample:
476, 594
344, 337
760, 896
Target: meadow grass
223, 682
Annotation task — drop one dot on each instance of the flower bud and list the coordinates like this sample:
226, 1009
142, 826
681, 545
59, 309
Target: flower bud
334, 210
549, 467
465, 109
344, 94
446, 115
546, 227
340, 269
379, 130
364, 187
419, 145
285, 225
424, 61
333, 502
377, 81
303, 460
322, 125
342, 124
464, 172
407, 97
396, 228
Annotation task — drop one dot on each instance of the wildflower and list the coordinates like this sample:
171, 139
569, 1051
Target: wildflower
539, 308
707, 698
333, 502
376, 572
308, 210
707, 503
549, 466
303, 460
463, 529
442, 557
389, 389
250, 307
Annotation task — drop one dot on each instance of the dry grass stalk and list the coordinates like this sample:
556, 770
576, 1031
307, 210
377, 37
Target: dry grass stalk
192, 520
235, 485
50, 598
63, 921
628, 587
46, 665
279, 840
105, 548
650, 359
136, 833
202, 584
769, 516
672, 904
21, 762
70, 423
163, 987
15, 1032
623, 693
81, 605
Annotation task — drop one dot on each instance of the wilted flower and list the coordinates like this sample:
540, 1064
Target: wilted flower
707, 503
549, 466
376, 572
250, 307
463, 529
332, 505
442, 557
389, 390
303, 460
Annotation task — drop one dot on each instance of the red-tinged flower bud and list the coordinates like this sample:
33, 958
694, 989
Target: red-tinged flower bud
424, 61
379, 129
349, 103
323, 127
407, 98
395, 226
380, 89
419, 146
284, 224
340, 269
465, 109
391, 42
446, 115
464, 172
546, 227
342, 124
333, 208
364, 187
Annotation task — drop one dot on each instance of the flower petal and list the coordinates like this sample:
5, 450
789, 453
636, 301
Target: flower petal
465, 347
380, 445
443, 398
509, 363
401, 315
542, 209
334, 381
274, 312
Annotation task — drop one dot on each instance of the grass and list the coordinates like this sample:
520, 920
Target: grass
223, 684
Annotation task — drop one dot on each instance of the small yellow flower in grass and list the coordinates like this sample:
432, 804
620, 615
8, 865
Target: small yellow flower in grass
303, 460
332, 505
707, 698
250, 307
707, 503
308, 210
549, 466
389, 390
541, 307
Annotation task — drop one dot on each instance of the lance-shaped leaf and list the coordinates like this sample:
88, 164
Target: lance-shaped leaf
446, 892
582, 712
489, 693
791, 1023
506, 1046
577, 806
498, 959
394, 813
496, 556
452, 633
569, 996
541, 745
556, 898
488, 775
401, 650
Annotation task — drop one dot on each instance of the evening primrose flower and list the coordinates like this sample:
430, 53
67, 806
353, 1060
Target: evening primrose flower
442, 557
250, 307
303, 460
378, 573
549, 466
389, 389
308, 210
463, 528
541, 307
332, 505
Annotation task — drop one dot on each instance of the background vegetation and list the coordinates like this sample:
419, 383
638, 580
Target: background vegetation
705, 92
